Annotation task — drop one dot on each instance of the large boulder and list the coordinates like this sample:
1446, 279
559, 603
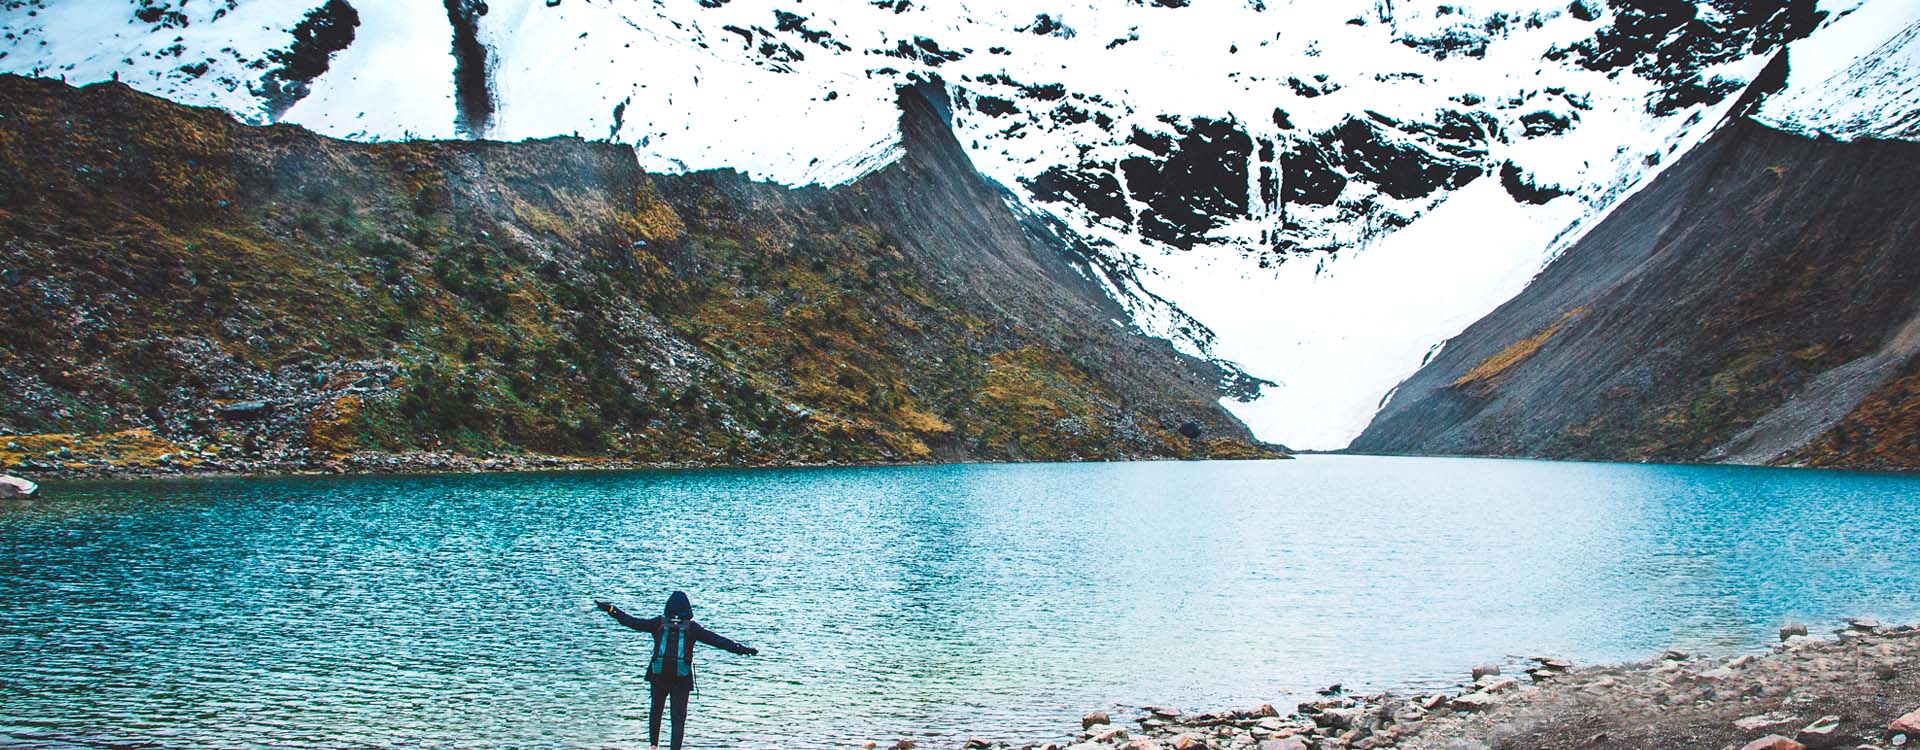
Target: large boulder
1792, 629
1097, 717
12, 486
1908, 725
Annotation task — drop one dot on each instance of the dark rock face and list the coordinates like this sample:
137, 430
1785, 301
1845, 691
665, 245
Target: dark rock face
1095, 188
1523, 187
1201, 182
1757, 302
473, 81
326, 30
1399, 166
1313, 176
1668, 41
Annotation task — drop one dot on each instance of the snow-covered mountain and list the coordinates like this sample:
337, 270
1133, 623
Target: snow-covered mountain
1333, 188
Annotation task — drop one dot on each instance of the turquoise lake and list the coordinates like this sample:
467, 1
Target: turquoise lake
927, 602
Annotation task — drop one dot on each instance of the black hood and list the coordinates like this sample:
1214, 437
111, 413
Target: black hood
678, 605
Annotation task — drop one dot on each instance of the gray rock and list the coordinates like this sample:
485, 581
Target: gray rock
1763, 720
1472, 702
1284, 743
1792, 629
12, 486
1863, 623
1674, 654
1485, 669
244, 410
1097, 717
975, 743
1340, 718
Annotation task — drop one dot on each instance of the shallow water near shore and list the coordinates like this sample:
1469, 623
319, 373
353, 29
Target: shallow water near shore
928, 602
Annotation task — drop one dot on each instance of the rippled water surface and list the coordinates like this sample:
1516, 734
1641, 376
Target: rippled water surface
941, 601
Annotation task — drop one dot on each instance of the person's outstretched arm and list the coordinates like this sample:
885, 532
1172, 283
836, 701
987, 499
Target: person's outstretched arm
703, 635
644, 625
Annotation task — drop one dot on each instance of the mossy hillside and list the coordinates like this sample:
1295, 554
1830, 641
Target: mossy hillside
164, 264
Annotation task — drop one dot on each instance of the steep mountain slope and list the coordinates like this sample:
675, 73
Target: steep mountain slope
176, 284
1239, 161
1759, 302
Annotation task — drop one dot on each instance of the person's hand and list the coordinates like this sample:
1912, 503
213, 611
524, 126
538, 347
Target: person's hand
751, 651
603, 606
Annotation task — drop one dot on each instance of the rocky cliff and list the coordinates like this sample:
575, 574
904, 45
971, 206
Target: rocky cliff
181, 289
1759, 302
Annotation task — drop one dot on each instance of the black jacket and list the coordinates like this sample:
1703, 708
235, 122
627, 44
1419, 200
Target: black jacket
699, 633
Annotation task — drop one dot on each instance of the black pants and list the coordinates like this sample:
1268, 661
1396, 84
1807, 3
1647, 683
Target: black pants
678, 690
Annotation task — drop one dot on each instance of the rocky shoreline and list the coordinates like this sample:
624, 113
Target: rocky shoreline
190, 465
414, 462
1858, 690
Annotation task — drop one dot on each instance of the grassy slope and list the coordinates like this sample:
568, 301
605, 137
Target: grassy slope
165, 266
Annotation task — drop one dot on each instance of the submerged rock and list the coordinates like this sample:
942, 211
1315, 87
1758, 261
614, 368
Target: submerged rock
1485, 669
12, 486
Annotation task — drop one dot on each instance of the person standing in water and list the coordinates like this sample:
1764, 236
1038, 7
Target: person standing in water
671, 668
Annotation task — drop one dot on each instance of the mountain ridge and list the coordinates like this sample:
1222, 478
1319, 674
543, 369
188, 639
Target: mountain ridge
1237, 161
197, 293
1754, 304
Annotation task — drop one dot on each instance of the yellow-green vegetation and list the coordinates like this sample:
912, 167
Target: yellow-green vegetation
1487, 374
1044, 403
263, 293
137, 448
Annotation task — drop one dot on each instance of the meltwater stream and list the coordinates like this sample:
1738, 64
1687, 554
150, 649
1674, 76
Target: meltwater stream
928, 602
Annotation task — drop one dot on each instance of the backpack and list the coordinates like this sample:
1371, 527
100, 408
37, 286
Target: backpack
672, 652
